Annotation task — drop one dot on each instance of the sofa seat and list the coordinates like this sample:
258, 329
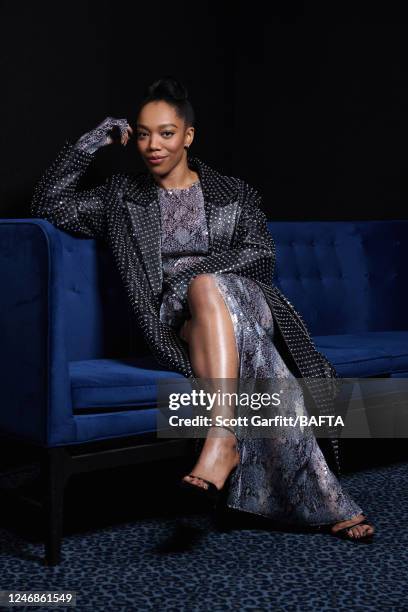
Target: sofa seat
366, 354
129, 382
118, 397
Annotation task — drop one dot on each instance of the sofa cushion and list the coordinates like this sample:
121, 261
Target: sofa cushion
366, 354
132, 382
117, 383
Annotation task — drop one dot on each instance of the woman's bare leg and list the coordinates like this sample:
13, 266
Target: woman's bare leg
211, 339
213, 353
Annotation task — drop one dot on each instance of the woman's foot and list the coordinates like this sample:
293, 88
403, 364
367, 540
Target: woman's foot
219, 456
356, 530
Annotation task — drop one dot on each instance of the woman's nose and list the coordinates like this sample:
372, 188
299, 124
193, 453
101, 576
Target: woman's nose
153, 144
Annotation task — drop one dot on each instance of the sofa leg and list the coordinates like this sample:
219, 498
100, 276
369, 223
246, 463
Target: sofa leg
55, 474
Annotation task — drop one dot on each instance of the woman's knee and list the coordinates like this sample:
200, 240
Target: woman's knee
203, 293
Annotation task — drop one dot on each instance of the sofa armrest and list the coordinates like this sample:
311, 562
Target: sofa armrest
35, 387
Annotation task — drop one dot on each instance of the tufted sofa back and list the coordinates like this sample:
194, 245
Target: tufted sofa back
344, 276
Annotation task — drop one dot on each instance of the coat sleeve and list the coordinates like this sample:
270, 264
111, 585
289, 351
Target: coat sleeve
57, 198
252, 252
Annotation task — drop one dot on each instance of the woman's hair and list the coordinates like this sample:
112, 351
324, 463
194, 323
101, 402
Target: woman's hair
173, 92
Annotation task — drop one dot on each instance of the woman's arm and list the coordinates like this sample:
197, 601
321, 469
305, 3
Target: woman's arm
252, 253
56, 196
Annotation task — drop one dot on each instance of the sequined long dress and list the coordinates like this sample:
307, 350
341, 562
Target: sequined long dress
284, 478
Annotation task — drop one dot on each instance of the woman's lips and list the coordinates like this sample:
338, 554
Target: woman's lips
156, 161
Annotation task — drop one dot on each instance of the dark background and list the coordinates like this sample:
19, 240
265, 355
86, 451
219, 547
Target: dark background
308, 102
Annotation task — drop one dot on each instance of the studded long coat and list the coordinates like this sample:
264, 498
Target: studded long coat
124, 212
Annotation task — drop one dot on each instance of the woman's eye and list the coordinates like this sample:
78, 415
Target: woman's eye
144, 133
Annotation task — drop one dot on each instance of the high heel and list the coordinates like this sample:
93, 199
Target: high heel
212, 494
343, 535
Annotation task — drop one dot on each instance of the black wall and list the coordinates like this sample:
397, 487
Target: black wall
308, 103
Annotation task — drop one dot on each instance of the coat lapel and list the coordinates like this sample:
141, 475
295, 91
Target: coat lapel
145, 218
146, 232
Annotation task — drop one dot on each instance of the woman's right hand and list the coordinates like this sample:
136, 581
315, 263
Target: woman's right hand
104, 135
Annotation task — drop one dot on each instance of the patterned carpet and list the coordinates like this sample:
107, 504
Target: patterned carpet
121, 552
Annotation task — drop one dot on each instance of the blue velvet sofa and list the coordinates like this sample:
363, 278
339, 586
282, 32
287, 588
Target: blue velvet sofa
78, 382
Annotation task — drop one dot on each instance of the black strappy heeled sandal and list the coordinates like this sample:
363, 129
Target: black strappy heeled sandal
212, 494
343, 535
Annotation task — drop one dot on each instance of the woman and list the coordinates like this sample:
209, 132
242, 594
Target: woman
196, 256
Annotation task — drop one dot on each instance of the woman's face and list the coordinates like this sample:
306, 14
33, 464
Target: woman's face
161, 133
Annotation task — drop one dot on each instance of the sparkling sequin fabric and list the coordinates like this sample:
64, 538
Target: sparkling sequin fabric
184, 231
284, 478
93, 140
125, 212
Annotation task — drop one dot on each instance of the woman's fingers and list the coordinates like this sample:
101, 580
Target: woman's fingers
129, 133
125, 129
103, 131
